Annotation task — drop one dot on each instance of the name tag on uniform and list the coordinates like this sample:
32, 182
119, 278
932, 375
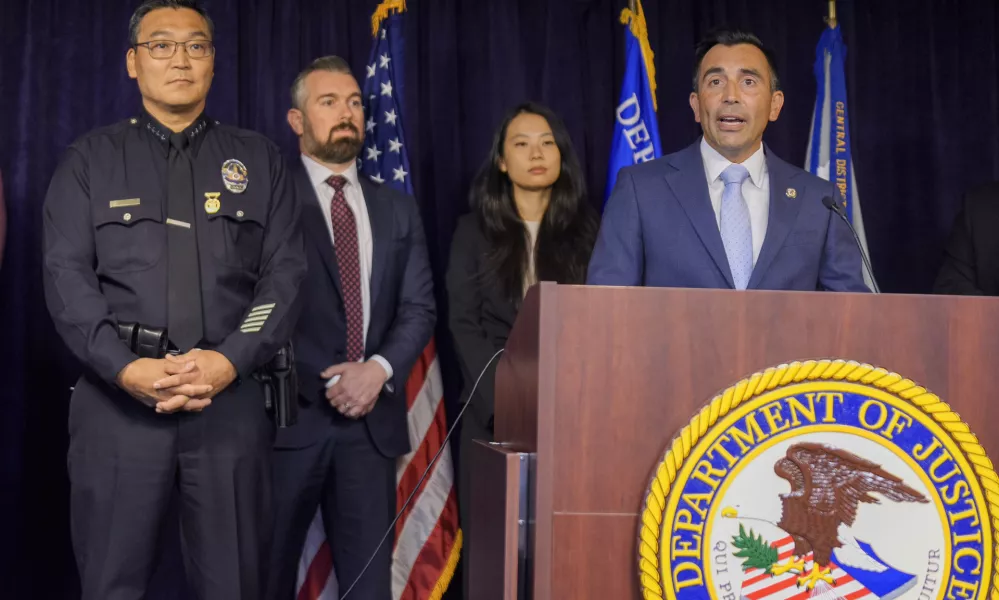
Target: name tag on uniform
125, 202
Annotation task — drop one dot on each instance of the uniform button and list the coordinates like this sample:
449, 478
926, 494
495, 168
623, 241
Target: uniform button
239, 214
133, 120
127, 216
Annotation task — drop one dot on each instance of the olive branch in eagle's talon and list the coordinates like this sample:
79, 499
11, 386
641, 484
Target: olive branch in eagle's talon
755, 551
758, 553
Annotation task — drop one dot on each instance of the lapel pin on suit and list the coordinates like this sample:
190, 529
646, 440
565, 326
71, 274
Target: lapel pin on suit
791, 193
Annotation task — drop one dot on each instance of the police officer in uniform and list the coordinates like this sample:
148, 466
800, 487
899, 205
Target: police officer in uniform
172, 263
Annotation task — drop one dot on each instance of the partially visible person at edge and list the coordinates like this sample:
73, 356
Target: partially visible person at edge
971, 257
530, 221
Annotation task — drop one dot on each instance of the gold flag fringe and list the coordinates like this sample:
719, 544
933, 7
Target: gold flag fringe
636, 22
383, 11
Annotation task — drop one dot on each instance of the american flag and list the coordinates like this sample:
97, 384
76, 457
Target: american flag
427, 536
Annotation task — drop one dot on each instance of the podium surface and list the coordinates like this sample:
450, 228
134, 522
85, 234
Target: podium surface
596, 381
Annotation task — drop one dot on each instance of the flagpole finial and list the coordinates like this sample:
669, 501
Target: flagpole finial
831, 19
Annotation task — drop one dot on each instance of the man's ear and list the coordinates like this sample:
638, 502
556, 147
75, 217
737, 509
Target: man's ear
296, 121
776, 104
695, 105
130, 63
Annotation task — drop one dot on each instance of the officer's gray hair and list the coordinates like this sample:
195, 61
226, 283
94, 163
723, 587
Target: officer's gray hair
333, 64
150, 5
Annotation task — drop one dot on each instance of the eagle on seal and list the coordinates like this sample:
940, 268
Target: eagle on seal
827, 486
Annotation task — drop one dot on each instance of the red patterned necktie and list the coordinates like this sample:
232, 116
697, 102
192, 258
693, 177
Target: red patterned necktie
346, 247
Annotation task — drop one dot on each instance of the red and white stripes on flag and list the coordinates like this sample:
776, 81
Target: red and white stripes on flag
758, 585
427, 537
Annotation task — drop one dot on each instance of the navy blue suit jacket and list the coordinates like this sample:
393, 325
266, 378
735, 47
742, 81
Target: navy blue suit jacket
403, 312
659, 229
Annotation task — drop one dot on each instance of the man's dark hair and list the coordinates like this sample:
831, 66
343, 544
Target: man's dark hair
733, 37
150, 5
333, 64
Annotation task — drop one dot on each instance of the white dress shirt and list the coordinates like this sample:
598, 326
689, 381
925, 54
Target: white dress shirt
318, 174
530, 277
756, 190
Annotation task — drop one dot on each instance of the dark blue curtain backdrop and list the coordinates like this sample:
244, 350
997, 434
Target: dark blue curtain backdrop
923, 79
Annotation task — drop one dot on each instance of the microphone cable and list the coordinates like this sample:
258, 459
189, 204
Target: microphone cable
836, 208
426, 473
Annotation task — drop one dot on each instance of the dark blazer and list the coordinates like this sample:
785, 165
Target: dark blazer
480, 316
971, 258
659, 229
402, 318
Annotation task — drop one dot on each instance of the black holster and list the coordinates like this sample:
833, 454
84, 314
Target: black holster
146, 342
280, 386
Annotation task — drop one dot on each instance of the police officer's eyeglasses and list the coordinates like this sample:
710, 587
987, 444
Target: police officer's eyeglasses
163, 49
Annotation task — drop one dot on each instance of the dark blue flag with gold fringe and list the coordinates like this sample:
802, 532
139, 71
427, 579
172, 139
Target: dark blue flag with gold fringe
636, 130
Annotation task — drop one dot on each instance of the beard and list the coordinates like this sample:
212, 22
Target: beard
338, 152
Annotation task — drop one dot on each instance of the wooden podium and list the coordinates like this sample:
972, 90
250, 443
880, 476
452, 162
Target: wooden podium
595, 381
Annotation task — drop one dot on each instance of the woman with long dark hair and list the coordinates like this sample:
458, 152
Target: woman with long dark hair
530, 222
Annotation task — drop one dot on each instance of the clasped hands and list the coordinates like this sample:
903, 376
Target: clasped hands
354, 394
185, 382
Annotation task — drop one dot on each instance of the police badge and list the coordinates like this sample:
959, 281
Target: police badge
234, 176
821, 480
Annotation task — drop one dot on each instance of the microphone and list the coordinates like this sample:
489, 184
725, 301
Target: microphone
836, 208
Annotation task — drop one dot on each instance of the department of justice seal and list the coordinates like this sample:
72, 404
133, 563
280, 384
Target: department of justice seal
822, 479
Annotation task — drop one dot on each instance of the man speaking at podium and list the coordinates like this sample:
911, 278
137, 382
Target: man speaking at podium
726, 212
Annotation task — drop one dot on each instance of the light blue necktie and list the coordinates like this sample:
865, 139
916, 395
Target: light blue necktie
736, 228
